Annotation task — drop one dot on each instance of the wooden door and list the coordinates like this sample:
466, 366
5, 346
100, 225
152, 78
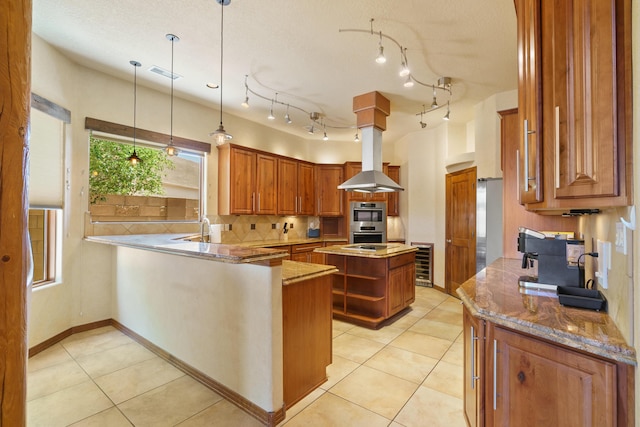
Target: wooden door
242, 176
266, 178
287, 187
473, 340
393, 199
540, 384
580, 114
306, 189
460, 233
329, 197
529, 99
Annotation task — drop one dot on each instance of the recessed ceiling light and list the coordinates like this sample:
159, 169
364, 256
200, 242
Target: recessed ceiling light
213, 85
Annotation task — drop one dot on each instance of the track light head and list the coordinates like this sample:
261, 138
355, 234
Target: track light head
423, 124
245, 104
357, 138
408, 82
434, 103
380, 59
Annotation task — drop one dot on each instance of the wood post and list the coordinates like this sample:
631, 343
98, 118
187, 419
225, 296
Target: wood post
15, 96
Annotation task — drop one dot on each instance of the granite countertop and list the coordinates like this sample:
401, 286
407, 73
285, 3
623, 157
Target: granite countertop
173, 244
494, 295
294, 271
384, 250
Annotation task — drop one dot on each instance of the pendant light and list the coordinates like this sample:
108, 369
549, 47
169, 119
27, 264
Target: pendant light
220, 136
171, 149
133, 158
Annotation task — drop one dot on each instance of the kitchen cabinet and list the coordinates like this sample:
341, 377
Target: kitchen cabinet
296, 192
246, 181
393, 199
529, 97
329, 198
513, 214
582, 54
367, 291
304, 253
474, 378
535, 383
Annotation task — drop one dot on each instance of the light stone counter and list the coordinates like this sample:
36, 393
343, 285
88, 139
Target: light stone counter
294, 271
173, 244
494, 295
384, 250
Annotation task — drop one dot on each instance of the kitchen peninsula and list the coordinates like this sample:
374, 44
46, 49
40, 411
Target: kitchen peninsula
530, 361
374, 281
237, 318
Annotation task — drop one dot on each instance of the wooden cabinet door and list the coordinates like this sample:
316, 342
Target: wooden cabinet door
266, 175
395, 299
409, 284
529, 99
329, 197
306, 189
580, 97
242, 175
393, 199
287, 186
474, 377
540, 384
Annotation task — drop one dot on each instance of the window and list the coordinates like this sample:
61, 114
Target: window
44, 232
160, 188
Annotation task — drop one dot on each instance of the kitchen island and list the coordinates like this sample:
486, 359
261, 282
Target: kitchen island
530, 361
230, 316
374, 283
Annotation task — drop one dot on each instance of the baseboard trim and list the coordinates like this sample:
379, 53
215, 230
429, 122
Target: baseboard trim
270, 419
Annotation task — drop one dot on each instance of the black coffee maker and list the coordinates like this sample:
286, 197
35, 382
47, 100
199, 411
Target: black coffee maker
558, 260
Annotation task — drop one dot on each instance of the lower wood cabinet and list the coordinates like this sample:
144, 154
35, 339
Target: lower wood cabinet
304, 253
514, 379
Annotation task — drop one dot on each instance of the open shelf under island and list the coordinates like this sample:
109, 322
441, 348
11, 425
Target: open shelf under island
374, 282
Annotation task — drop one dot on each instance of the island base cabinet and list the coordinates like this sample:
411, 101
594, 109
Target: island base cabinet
533, 383
307, 336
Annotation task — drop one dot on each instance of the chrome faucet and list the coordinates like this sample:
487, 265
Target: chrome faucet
204, 221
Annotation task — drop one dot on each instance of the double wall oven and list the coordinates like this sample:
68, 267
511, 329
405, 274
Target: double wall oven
368, 222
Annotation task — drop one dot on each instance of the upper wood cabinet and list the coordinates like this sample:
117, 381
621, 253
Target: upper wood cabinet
296, 193
530, 125
329, 198
246, 181
584, 94
393, 199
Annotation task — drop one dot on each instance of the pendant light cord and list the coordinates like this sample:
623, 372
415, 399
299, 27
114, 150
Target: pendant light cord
172, 79
221, 53
135, 99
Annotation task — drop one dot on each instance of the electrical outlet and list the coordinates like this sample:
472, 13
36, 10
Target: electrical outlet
621, 238
604, 263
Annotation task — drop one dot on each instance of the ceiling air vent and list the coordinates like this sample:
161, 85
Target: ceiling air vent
164, 73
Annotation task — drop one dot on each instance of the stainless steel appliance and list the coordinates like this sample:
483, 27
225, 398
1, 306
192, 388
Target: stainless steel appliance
488, 221
368, 222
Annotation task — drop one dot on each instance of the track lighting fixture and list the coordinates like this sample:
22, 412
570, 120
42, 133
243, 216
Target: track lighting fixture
271, 116
422, 124
311, 130
446, 116
133, 158
434, 103
171, 149
324, 129
408, 82
380, 59
357, 138
220, 135
404, 65
287, 118
245, 104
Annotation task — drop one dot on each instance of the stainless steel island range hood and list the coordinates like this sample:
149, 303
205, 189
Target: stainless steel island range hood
372, 110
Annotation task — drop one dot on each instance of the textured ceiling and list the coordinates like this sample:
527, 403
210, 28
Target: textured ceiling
295, 49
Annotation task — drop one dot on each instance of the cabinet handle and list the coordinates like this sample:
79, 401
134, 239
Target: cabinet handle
258, 202
253, 202
495, 374
473, 358
527, 132
518, 175
557, 147
296, 203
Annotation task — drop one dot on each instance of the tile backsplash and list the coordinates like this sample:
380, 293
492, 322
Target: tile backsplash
238, 228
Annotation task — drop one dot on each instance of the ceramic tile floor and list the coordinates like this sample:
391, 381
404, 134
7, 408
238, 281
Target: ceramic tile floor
408, 373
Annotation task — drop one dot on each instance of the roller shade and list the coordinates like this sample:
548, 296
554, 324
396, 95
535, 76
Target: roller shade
46, 161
